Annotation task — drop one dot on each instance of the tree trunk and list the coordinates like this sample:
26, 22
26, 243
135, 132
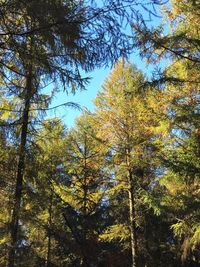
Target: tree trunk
85, 260
132, 213
48, 261
132, 220
14, 226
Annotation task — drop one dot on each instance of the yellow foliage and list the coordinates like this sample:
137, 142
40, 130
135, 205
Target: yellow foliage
118, 231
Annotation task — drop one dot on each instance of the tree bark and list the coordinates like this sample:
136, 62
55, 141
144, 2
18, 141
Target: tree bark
132, 213
132, 220
48, 260
14, 226
85, 260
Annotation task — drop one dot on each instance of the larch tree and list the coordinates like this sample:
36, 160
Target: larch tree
180, 82
41, 214
45, 41
83, 190
126, 125
125, 180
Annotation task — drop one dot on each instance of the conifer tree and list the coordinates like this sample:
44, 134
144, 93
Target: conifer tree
180, 82
50, 41
82, 195
126, 125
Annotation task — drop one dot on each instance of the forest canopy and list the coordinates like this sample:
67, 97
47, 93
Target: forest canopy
121, 187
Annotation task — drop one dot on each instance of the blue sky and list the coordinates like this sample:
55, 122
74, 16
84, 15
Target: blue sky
85, 98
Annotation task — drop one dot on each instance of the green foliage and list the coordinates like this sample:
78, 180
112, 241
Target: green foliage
118, 231
127, 172
151, 201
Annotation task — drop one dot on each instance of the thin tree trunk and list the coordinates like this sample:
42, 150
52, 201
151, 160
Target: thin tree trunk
48, 260
146, 237
132, 220
132, 213
85, 260
85, 189
14, 226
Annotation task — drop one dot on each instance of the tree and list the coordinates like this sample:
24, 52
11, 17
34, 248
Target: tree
83, 191
41, 213
180, 82
176, 38
39, 55
125, 181
7, 172
181, 159
126, 125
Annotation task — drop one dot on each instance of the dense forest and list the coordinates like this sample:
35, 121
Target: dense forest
122, 187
